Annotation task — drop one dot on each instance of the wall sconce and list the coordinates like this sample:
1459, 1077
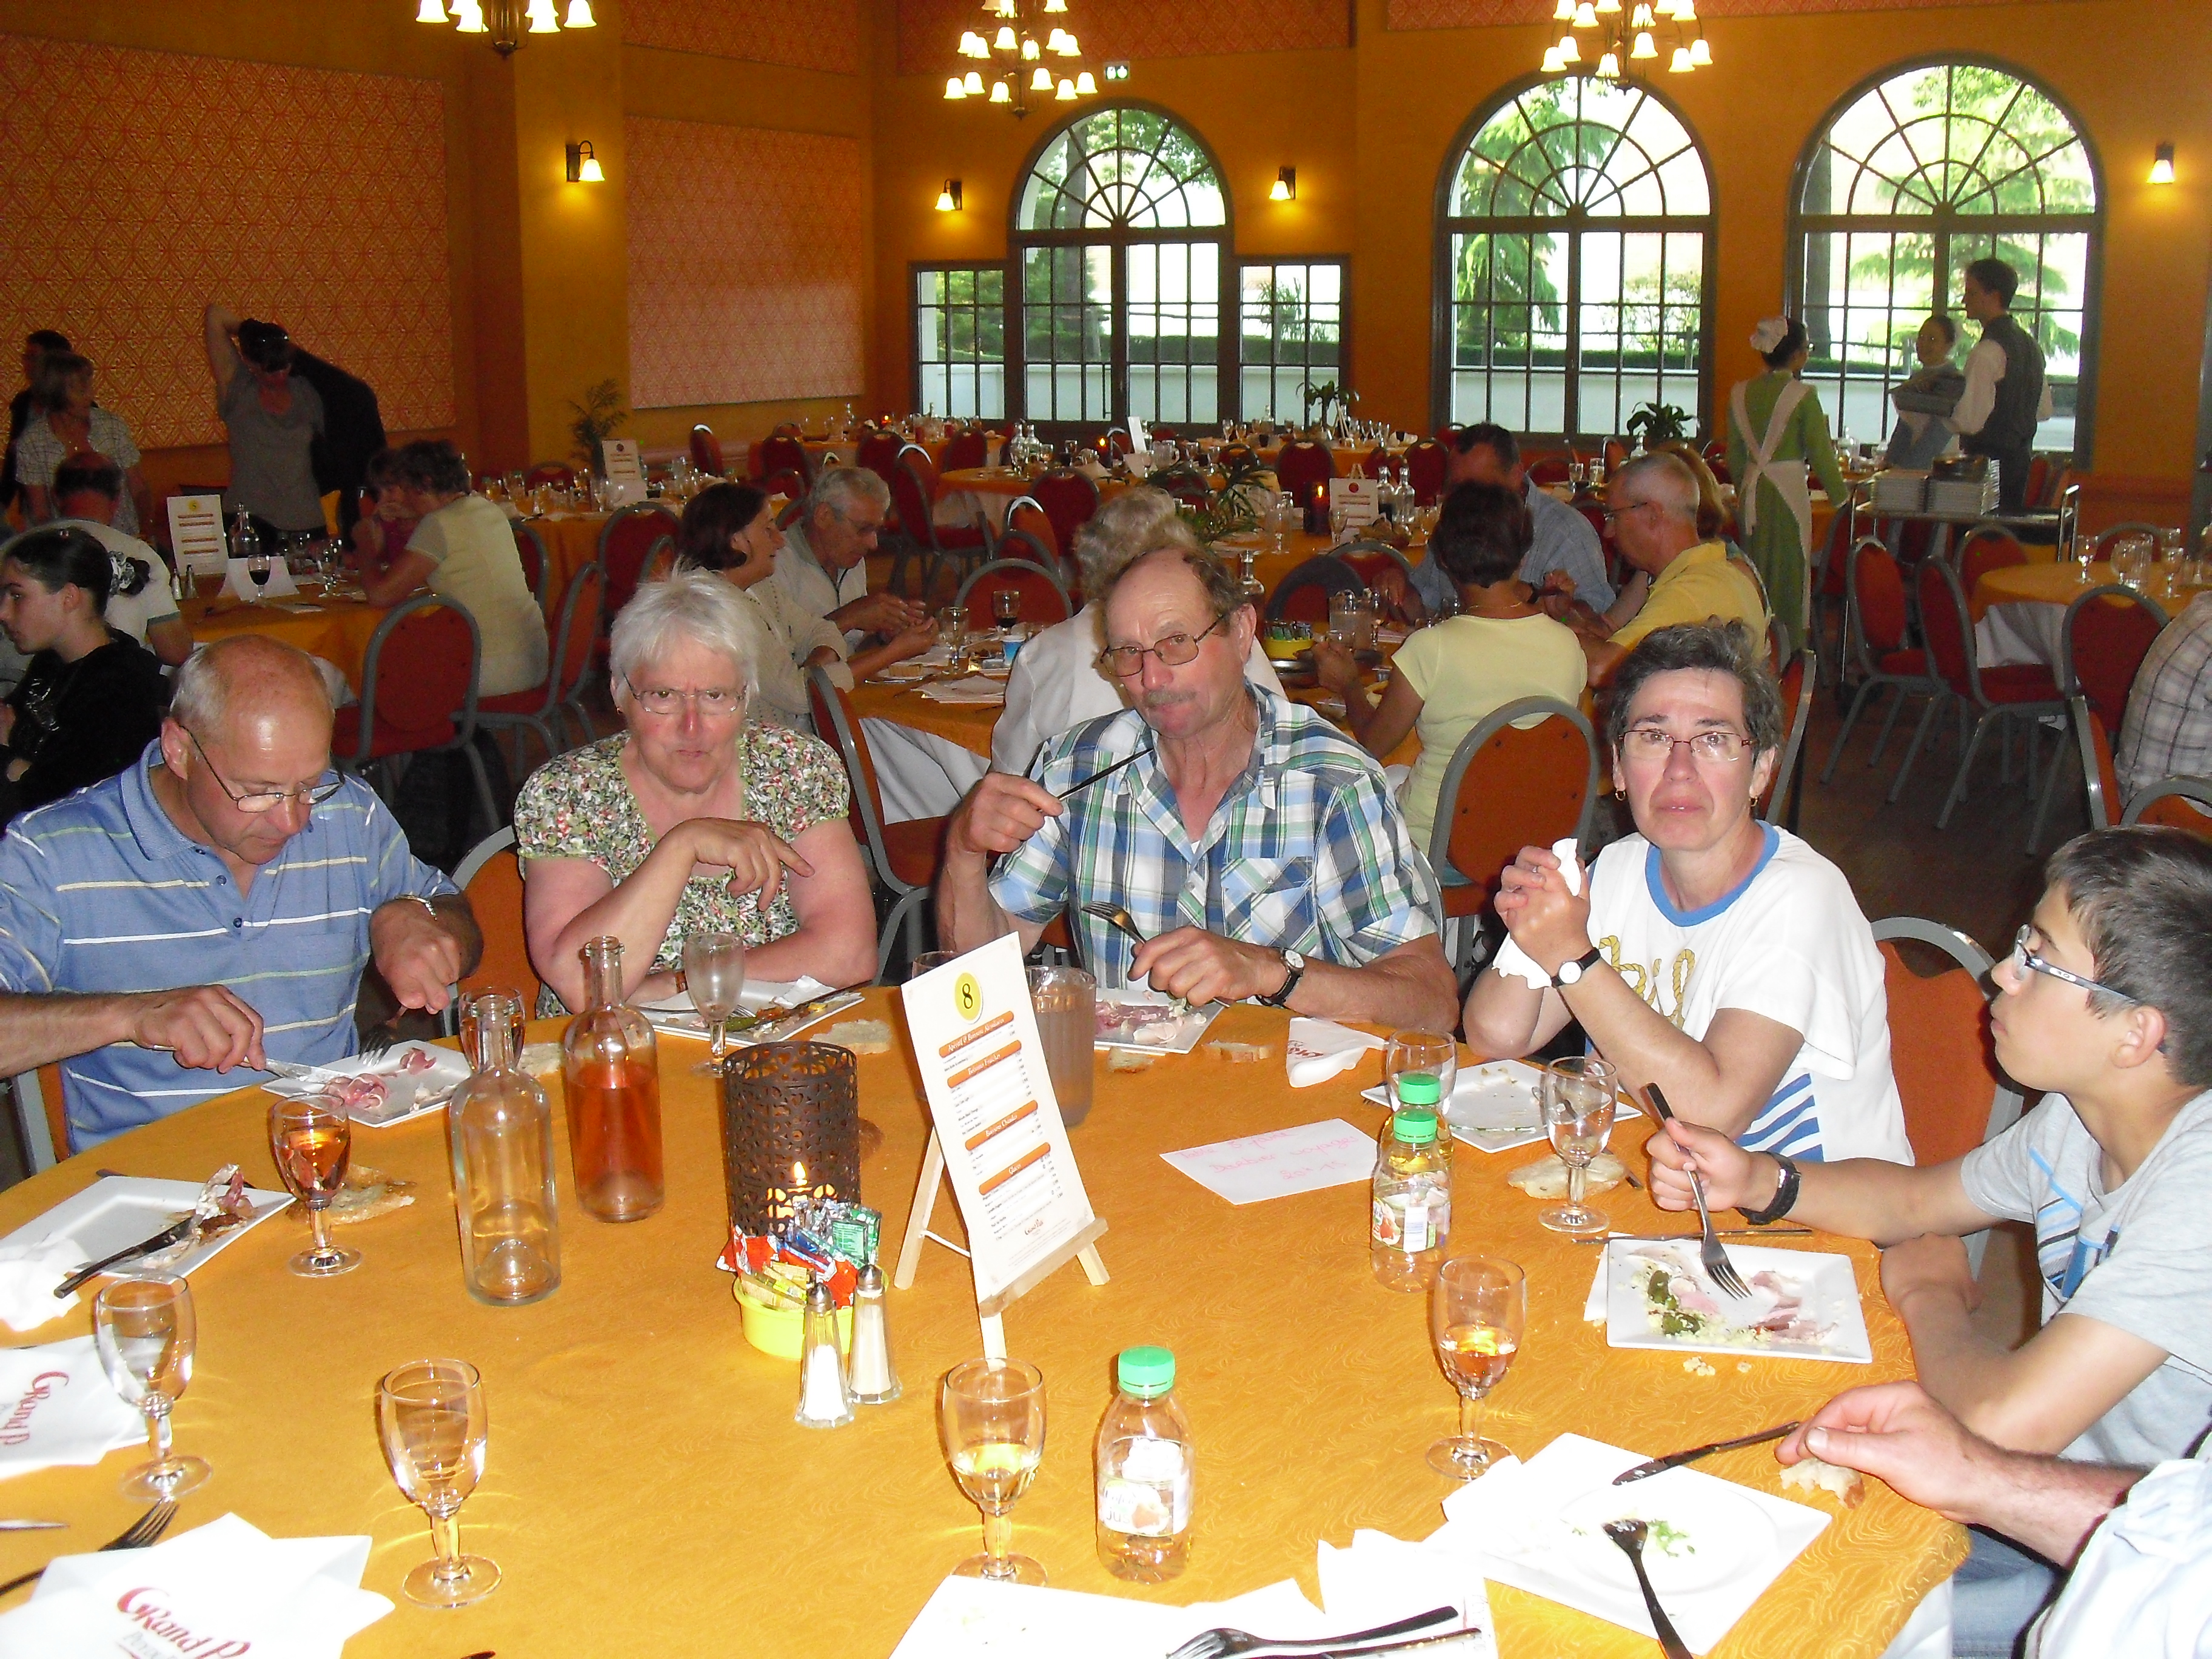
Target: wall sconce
1285, 188
2161, 167
948, 199
583, 166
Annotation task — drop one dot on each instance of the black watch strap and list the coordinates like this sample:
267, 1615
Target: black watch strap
1294, 971
1785, 1200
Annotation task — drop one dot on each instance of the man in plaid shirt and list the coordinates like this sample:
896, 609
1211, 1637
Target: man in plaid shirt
1256, 848
2167, 731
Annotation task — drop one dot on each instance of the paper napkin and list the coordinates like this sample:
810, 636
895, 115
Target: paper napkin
57, 1407
28, 1273
1512, 959
1320, 1048
968, 688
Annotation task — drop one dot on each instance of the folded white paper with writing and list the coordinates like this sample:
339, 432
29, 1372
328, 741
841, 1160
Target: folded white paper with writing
1280, 1162
57, 1407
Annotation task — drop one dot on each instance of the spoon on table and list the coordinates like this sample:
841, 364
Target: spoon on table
1118, 919
1629, 1535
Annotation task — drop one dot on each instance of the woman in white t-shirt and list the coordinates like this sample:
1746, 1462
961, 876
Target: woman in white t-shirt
1714, 955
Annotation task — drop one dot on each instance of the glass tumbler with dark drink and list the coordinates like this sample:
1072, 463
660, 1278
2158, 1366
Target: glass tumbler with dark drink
611, 1077
312, 1140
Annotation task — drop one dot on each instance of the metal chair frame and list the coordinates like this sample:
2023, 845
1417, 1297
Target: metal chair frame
1793, 748
526, 530
907, 902
2183, 787
1976, 709
464, 722
564, 696
1017, 567
2070, 687
1872, 679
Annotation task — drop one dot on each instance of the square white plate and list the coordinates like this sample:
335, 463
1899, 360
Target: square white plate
675, 1017
408, 1095
1180, 1038
116, 1211
1493, 1106
1826, 1283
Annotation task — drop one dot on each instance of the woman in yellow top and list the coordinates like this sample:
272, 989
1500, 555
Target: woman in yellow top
1777, 430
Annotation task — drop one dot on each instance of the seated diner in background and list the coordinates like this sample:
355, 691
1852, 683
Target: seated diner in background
2166, 731
165, 933
463, 549
1449, 677
823, 566
87, 489
1059, 680
1720, 957
379, 536
72, 424
91, 699
1651, 510
1253, 845
1564, 556
729, 529
273, 417
2106, 1006
695, 819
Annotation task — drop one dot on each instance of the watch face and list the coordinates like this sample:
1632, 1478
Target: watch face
1294, 961
1571, 972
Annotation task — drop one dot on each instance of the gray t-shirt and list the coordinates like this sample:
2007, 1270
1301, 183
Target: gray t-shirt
1563, 541
272, 468
2133, 1258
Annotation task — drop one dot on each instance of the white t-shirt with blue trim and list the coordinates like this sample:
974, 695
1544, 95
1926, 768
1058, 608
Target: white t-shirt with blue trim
1790, 943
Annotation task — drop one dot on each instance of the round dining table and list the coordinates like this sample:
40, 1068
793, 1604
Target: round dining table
2020, 610
334, 628
648, 1493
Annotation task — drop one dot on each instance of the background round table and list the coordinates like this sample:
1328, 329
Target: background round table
2020, 610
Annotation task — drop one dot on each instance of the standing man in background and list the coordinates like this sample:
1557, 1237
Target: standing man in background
2006, 393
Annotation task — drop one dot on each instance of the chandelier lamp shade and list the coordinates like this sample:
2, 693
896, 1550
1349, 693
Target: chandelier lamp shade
1615, 41
509, 23
1022, 54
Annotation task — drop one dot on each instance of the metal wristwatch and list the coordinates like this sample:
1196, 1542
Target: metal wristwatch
1785, 1198
1571, 973
1296, 965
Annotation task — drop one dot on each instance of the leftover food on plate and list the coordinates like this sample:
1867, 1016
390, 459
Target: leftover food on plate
1548, 1177
1683, 1302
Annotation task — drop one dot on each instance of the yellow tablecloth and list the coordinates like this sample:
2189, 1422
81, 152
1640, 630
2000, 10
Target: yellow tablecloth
571, 542
2044, 582
337, 630
648, 1493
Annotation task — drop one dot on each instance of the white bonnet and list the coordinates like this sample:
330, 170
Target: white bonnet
1770, 332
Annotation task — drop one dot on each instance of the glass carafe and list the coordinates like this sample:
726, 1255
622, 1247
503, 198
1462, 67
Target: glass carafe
501, 1131
611, 1079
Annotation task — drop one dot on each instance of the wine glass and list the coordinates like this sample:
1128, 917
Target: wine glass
257, 568
145, 1332
1431, 1053
1578, 1096
430, 1416
992, 1412
312, 1140
714, 973
1478, 1308
1006, 606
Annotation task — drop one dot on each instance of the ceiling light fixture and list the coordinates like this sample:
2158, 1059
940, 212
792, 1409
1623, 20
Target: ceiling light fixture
1019, 43
1627, 39
508, 22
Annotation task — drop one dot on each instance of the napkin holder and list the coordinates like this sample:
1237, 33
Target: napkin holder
791, 1125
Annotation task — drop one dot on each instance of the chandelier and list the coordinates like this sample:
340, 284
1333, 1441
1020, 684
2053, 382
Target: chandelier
1019, 64
1624, 38
506, 21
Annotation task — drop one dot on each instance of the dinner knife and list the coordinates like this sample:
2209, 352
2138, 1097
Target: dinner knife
1659, 1464
92, 1270
32, 1526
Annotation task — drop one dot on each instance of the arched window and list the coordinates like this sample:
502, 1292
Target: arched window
1575, 252
1909, 180
1120, 240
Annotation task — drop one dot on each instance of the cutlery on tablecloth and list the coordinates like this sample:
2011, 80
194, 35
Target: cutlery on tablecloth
31, 1526
146, 1529
1675, 1460
1718, 1267
1629, 1535
1221, 1642
197, 1227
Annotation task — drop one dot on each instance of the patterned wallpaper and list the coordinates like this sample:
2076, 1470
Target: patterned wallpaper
1477, 14
745, 263
929, 29
141, 185
814, 34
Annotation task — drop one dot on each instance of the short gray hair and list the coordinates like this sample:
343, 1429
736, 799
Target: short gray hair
1134, 523
839, 488
1715, 648
1665, 479
698, 605
201, 696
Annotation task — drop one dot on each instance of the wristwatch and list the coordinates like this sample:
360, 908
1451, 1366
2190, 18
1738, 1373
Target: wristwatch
1785, 1198
1296, 965
1571, 973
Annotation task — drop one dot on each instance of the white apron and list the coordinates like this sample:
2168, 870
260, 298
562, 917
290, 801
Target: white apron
1789, 478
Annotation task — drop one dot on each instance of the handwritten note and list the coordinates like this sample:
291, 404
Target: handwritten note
1280, 1162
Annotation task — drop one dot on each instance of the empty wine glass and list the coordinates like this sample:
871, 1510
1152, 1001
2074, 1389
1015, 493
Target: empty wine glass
145, 1332
1433, 1054
714, 973
1477, 1309
992, 1412
430, 1416
1578, 1096
312, 1140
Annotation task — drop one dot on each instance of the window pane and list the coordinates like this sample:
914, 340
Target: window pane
960, 328
1291, 331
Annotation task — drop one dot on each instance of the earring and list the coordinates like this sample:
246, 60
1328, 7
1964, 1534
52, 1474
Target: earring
1620, 794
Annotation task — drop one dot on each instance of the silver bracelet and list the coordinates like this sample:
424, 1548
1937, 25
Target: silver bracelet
427, 904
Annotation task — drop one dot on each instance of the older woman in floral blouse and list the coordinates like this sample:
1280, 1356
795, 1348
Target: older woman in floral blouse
695, 819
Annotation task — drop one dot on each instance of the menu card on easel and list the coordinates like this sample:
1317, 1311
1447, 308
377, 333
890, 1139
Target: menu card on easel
196, 534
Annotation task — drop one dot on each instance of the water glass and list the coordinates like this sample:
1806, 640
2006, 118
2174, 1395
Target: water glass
144, 1329
1430, 1053
1478, 1314
431, 1418
1578, 1098
991, 1413
1344, 618
714, 974
1065, 1000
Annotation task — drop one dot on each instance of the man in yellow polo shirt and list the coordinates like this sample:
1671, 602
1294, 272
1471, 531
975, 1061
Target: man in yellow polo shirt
1651, 513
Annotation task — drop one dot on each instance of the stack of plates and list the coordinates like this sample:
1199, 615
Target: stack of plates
1900, 490
1964, 494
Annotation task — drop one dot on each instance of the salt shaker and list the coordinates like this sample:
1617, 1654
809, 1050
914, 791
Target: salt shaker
823, 1402
874, 1382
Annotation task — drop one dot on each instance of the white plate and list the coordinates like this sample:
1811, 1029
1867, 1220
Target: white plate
1701, 1535
1493, 1106
674, 1017
1828, 1288
1182, 1037
117, 1211
407, 1095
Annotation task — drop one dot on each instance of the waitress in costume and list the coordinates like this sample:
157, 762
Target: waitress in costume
1775, 432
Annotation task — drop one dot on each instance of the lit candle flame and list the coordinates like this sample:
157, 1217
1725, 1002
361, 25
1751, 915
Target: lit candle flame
798, 1174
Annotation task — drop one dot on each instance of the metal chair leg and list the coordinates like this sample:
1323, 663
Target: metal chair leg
2050, 792
1844, 734
1966, 765
1919, 736
1889, 724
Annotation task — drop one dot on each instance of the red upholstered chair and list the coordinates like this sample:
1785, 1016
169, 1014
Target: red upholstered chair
1426, 463
1831, 585
1026, 512
1068, 499
626, 547
1799, 681
1382, 464
1300, 465
491, 876
969, 449
786, 483
1186, 483
781, 453
902, 858
1616, 455
2018, 694
1715, 457
1157, 432
545, 706
1877, 620
1020, 544
1985, 548
1550, 469
530, 548
2101, 778
707, 451
1044, 601
913, 494
1381, 566
879, 452
1303, 595
1117, 442
558, 473
2038, 481
2107, 633
2180, 803
419, 695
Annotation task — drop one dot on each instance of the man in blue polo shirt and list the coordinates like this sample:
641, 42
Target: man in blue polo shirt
168, 932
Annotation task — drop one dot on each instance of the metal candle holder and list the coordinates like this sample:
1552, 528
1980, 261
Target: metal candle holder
791, 1126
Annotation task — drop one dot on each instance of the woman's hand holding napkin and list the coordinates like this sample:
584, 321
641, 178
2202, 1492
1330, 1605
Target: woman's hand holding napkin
1511, 960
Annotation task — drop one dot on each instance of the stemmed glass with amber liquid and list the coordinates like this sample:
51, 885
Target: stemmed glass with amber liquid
992, 1412
312, 1140
1477, 1309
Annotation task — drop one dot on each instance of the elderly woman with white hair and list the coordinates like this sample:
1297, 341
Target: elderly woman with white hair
694, 818
1057, 682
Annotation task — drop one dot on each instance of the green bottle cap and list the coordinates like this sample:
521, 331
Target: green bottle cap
1420, 1089
1416, 1127
1146, 1373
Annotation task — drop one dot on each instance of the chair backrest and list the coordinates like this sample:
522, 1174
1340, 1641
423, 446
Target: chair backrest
2181, 803
836, 724
1799, 681
782, 453
1303, 596
1956, 1099
1878, 611
576, 632
1947, 628
41, 1116
2104, 538
2039, 480
707, 450
418, 678
551, 472
1186, 483
787, 484
530, 548
2100, 776
879, 452
1376, 562
1506, 788
1027, 514
1116, 442
626, 546
1616, 455
1550, 469
1382, 464
1986, 548
490, 877
1777, 645
1715, 455
967, 449
1044, 601
911, 496
2108, 632
1832, 564
1300, 464
1068, 499
923, 464
1426, 463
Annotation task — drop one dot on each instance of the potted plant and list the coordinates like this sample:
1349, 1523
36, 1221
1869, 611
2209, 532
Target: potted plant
1325, 394
1654, 423
599, 418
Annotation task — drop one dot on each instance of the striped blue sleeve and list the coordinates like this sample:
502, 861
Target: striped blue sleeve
30, 925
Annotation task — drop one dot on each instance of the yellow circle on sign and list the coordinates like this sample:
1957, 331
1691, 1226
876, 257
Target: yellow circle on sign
967, 996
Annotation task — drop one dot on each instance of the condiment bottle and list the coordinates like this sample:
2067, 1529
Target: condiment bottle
1411, 1215
611, 1080
874, 1382
823, 1401
1145, 1467
500, 1131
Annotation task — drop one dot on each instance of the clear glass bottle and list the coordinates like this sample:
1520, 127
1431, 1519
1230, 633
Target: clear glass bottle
610, 1081
1412, 1214
501, 1131
1147, 1466
245, 539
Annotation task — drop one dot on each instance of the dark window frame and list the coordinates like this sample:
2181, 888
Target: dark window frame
914, 270
1343, 263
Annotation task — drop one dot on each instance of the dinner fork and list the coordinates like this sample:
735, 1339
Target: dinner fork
1220, 1643
1118, 919
1630, 1535
1718, 1267
146, 1529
